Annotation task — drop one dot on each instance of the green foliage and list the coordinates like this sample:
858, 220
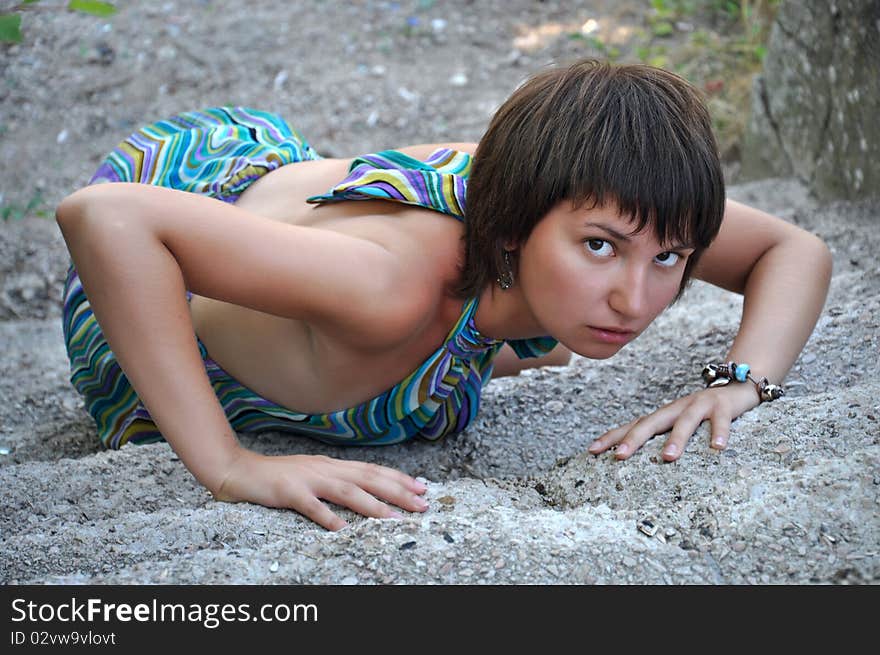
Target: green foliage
93, 7
760, 52
10, 28
663, 28
718, 45
36, 205
10, 21
653, 55
612, 53
673, 9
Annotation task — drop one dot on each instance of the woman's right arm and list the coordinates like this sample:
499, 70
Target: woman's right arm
136, 249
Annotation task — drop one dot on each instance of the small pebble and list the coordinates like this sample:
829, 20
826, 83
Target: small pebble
274, 567
738, 546
5, 451
407, 95
279, 80
459, 79
590, 26
648, 526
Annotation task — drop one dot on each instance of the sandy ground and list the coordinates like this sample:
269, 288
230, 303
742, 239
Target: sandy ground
515, 499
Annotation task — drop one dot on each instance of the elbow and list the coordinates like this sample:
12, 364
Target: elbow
812, 254
85, 205
77, 208
71, 209
824, 260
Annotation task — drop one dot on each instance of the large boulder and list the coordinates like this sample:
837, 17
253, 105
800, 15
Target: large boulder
815, 107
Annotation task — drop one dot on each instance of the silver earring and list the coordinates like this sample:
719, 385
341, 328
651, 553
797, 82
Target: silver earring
505, 279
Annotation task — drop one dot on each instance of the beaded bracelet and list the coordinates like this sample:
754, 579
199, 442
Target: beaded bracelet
718, 375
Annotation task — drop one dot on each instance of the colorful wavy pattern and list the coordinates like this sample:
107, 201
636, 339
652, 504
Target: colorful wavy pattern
219, 152
438, 183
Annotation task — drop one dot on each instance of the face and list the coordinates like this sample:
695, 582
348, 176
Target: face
592, 284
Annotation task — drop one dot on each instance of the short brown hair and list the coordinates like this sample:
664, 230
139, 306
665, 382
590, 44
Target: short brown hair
593, 132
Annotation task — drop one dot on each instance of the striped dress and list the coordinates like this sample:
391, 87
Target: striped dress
219, 152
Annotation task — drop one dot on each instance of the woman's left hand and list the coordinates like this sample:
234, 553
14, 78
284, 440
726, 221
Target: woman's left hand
720, 406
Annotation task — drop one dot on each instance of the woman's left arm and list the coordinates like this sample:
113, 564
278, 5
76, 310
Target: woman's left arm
783, 273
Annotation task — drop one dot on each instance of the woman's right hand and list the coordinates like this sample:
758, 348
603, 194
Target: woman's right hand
301, 482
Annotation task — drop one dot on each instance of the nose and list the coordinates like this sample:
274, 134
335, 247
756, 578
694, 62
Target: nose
628, 293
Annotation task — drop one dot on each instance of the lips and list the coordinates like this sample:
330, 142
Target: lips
611, 335
611, 329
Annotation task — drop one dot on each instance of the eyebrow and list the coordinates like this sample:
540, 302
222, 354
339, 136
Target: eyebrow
627, 238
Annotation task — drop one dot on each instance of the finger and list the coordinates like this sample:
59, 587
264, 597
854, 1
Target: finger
390, 485
318, 512
407, 481
416, 486
685, 426
647, 428
603, 443
354, 498
720, 422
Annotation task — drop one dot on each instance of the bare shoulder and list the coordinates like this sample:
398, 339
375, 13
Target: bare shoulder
369, 291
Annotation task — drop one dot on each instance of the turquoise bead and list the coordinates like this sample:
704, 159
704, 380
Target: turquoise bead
742, 372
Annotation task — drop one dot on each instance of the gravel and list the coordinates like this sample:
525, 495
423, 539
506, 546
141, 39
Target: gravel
515, 499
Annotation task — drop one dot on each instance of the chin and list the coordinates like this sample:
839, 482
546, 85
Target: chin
596, 351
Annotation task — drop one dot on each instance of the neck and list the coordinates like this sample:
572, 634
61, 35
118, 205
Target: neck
504, 314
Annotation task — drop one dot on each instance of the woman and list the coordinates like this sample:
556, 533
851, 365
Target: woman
375, 312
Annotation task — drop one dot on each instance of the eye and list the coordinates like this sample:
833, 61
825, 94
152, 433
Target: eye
667, 259
599, 247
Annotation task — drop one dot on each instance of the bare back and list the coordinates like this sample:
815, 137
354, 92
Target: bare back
291, 362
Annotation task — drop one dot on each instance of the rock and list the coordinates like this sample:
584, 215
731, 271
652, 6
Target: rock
815, 106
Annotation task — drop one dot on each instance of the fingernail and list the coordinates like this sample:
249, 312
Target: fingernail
395, 515
622, 449
421, 502
421, 487
671, 450
718, 441
593, 448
